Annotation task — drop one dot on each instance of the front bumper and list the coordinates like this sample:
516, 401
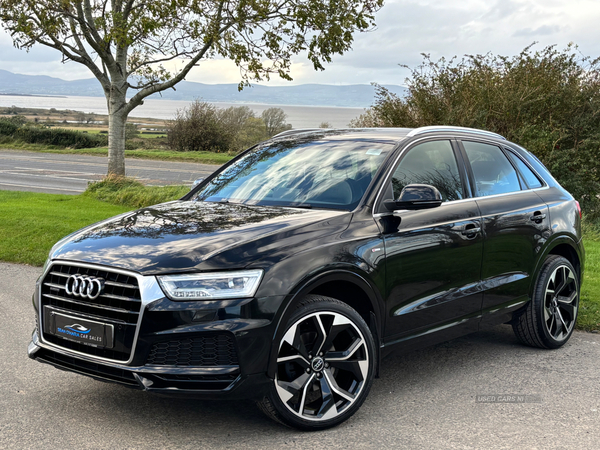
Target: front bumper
207, 349
225, 382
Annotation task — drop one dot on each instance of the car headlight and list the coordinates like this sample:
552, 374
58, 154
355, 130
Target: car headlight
211, 286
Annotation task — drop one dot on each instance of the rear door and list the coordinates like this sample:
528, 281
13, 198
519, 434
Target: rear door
515, 225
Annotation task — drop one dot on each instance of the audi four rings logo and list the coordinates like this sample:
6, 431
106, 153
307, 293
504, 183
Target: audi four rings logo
84, 286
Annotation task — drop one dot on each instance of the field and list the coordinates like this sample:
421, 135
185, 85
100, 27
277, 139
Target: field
77, 120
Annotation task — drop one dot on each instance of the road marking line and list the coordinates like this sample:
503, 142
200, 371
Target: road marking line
50, 176
56, 170
38, 187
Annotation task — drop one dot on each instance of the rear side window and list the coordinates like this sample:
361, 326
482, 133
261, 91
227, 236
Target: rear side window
530, 178
492, 171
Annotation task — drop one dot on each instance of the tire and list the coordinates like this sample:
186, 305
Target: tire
549, 318
326, 362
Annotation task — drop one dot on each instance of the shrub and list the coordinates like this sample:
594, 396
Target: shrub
17, 120
546, 101
131, 131
59, 137
16, 128
202, 126
7, 127
198, 128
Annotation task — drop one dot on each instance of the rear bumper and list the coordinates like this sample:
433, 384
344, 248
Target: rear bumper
222, 382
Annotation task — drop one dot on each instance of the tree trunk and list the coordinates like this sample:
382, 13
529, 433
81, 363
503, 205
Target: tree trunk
117, 119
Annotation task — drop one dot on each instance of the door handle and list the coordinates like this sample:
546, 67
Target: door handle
537, 217
470, 230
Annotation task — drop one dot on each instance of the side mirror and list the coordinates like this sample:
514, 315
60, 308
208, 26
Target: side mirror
416, 196
196, 182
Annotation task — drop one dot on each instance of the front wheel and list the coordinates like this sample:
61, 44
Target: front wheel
549, 319
325, 366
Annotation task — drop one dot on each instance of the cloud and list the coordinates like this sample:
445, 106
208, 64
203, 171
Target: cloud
39, 60
544, 30
405, 29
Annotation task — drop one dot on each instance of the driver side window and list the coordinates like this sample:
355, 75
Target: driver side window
430, 163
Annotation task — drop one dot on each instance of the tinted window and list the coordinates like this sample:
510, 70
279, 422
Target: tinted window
315, 172
430, 163
530, 178
493, 173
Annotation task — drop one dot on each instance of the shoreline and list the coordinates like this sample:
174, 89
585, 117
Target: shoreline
298, 116
33, 95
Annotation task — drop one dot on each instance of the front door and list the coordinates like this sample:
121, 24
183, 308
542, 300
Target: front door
433, 257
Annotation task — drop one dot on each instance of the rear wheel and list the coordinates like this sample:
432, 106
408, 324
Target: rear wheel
549, 319
325, 366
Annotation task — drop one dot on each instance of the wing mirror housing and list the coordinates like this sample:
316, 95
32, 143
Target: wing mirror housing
416, 196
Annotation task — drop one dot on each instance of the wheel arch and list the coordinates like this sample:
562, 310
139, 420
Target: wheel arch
344, 285
564, 246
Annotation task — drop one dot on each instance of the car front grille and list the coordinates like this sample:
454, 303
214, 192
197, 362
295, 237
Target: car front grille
119, 305
210, 350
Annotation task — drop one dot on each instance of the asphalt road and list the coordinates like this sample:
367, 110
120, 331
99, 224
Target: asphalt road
70, 174
426, 399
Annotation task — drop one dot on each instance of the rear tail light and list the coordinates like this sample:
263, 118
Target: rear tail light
578, 208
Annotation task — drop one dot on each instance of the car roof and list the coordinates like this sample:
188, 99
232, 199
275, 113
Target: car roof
382, 134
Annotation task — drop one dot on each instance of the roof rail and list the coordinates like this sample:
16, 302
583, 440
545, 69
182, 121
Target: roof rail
297, 131
434, 128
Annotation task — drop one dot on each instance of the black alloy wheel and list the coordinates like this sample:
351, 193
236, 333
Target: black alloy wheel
325, 366
549, 319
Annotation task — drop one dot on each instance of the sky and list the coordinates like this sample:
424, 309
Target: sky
405, 30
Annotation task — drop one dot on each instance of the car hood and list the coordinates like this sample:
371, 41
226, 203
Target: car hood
186, 236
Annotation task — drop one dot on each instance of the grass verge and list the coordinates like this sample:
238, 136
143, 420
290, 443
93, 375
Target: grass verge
32, 223
162, 155
131, 193
589, 309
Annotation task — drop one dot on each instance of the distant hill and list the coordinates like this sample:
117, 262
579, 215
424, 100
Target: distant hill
357, 95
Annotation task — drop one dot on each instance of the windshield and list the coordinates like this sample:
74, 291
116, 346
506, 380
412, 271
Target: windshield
311, 173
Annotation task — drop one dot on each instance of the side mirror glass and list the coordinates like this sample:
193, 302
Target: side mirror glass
416, 196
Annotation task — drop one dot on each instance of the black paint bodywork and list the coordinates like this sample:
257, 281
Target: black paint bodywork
416, 276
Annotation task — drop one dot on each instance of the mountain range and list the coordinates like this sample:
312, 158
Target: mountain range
356, 95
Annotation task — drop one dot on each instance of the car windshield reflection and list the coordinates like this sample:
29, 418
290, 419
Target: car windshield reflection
300, 173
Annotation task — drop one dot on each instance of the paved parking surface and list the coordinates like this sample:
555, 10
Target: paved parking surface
426, 399
70, 174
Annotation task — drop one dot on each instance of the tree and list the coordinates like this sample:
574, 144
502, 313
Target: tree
274, 119
235, 117
131, 46
547, 101
251, 133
